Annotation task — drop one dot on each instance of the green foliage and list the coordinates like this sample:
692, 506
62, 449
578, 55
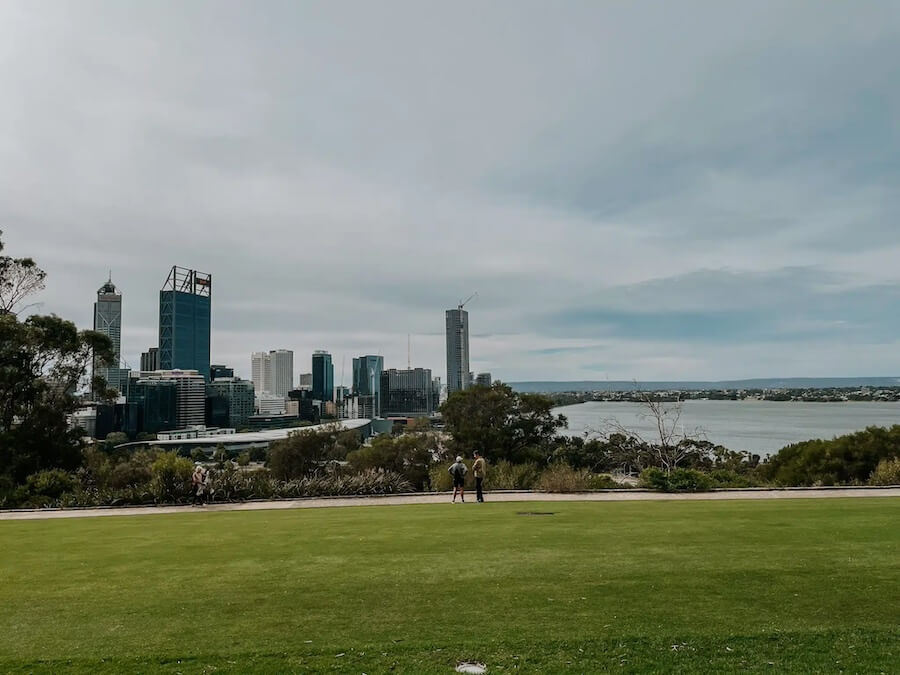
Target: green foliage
841, 461
243, 459
302, 453
501, 423
560, 477
678, 480
42, 361
52, 483
503, 475
368, 482
171, 478
198, 455
440, 480
886, 473
410, 455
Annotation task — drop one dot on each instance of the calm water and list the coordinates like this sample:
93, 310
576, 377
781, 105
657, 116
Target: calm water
758, 426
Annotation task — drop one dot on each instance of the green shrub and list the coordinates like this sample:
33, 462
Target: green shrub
243, 459
51, 484
507, 476
724, 478
678, 480
440, 479
171, 478
602, 481
655, 479
563, 478
886, 473
129, 474
369, 482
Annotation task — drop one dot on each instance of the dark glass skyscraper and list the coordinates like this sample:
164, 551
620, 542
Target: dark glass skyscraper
323, 376
407, 392
367, 384
185, 311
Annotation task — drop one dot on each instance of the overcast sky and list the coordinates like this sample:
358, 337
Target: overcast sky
668, 190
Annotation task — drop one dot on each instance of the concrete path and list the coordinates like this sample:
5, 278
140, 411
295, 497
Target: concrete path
444, 498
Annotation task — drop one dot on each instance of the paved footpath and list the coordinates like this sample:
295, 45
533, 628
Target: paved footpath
444, 498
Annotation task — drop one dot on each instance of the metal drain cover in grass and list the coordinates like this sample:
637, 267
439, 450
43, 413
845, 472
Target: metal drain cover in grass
471, 667
536, 513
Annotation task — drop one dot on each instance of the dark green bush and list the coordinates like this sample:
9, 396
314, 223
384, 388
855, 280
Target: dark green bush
886, 473
50, 484
678, 480
563, 478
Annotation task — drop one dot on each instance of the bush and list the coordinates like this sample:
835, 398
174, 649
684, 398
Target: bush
369, 482
171, 478
507, 476
723, 478
563, 478
129, 474
844, 460
886, 473
679, 480
51, 484
602, 481
439, 477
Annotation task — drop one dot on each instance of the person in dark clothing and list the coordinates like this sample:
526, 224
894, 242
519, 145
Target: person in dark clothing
458, 471
478, 469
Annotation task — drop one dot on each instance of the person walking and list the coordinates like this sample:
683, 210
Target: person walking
205, 487
478, 469
458, 470
197, 485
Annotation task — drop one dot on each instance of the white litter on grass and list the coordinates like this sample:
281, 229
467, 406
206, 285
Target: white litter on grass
471, 667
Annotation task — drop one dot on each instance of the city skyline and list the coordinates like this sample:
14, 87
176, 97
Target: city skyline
705, 192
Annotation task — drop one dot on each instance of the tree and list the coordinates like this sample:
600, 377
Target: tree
410, 455
505, 424
19, 278
43, 359
670, 444
302, 453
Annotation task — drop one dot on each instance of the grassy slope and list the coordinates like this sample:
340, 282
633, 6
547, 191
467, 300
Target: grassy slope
793, 585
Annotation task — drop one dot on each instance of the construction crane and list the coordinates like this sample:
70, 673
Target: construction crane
465, 302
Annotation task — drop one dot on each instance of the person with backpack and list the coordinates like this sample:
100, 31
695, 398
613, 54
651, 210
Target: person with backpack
197, 485
458, 470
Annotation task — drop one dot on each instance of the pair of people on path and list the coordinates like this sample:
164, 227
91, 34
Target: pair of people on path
458, 471
199, 485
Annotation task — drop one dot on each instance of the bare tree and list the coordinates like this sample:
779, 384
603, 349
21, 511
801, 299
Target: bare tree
19, 278
670, 443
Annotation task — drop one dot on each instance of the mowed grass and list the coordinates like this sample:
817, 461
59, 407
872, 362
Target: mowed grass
773, 586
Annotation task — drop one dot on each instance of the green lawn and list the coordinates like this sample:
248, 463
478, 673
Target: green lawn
772, 586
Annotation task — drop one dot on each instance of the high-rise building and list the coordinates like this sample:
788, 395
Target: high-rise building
150, 359
261, 372
189, 389
281, 362
218, 371
407, 393
483, 380
367, 384
108, 321
457, 350
323, 376
269, 404
305, 381
185, 311
238, 395
272, 372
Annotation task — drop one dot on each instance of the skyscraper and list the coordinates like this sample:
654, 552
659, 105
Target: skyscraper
323, 376
367, 384
108, 321
273, 372
150, 359
185, 310
238, 395
483, 380
408, 393
457, 350
261, 372
281, 362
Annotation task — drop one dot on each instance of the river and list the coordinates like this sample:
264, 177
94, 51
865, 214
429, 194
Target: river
762, 427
